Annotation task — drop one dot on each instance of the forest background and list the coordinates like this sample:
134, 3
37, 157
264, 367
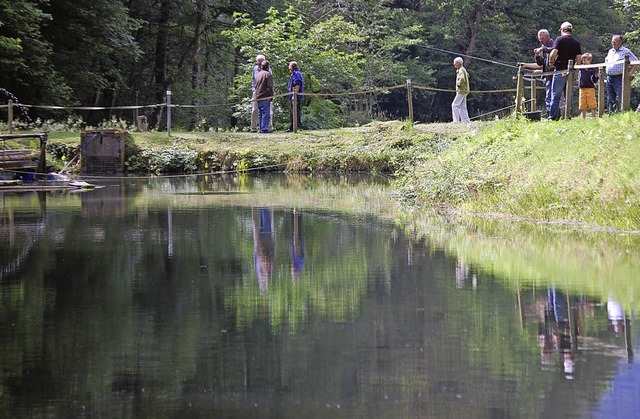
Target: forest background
110, 53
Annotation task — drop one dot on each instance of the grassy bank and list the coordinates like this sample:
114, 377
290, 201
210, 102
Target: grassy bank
585, 171
376, 148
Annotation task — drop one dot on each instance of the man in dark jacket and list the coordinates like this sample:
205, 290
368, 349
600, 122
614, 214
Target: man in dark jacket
264, 95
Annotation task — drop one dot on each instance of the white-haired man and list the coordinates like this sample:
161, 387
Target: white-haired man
459, 104
542, 59
254, 104
614, 71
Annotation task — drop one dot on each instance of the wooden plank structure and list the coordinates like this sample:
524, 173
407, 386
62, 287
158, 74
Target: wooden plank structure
25, 160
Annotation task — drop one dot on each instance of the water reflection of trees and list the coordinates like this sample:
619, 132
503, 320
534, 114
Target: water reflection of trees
407, 328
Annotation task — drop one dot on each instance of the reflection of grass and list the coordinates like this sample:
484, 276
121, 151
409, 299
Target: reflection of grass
584, 262
350, 194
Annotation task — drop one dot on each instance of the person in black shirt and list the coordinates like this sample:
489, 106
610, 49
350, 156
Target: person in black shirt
565, 48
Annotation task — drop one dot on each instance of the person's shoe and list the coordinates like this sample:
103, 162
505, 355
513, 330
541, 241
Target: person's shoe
254, 130
289, 130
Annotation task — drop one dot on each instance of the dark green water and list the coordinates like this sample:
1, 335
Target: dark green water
286, 297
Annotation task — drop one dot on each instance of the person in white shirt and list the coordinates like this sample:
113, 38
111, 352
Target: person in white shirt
614, 71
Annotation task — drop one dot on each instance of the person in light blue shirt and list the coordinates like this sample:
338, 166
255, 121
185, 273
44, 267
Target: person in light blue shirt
614, 71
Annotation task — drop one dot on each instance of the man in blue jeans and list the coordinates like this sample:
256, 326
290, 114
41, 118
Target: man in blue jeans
264, 95
565, 48
614, 71
296, 84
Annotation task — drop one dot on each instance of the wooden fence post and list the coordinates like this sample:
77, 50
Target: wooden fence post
295, 111
625, 101
534, 95
568, 94
601, 96
169, 112
519, 91
10, 117
410, 100
42, 158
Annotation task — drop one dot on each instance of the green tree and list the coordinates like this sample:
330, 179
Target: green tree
92, 41
390, 33
26, 66
326, 53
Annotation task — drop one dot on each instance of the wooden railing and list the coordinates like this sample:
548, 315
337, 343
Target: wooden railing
625, 99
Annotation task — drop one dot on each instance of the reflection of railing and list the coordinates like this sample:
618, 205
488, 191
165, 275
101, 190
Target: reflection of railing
33, 231
16, 263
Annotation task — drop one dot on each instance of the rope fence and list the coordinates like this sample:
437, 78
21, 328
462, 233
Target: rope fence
533, 77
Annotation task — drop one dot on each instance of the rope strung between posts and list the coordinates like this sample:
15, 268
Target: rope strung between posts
435, 89
468, 56
176, 106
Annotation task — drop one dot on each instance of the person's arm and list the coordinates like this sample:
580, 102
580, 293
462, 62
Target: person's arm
533, 66
552, 57
542, 50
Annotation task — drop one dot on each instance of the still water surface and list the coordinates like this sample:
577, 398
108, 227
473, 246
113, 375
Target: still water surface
284, 297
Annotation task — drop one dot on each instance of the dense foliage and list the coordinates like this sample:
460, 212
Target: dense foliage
114, 53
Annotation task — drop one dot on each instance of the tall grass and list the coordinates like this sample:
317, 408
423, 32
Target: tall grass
578, 170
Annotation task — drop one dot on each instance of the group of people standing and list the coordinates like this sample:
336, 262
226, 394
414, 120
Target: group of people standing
263, 92
554, 55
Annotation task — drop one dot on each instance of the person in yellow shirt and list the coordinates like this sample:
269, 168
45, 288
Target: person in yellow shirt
459, 104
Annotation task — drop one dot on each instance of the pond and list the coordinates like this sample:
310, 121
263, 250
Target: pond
302, 296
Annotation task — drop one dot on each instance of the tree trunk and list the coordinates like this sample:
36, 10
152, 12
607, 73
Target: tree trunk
160, 58
195, 66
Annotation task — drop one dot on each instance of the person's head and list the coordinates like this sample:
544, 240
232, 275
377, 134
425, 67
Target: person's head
259, 59
293, 66
265, 65
543, 36
457, 62
616, 41
587, 58
567, 28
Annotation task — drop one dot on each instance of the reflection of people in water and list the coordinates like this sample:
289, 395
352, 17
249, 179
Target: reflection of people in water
263, 245
620, 322
615, 311
462, 272
296, 246
557, 332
